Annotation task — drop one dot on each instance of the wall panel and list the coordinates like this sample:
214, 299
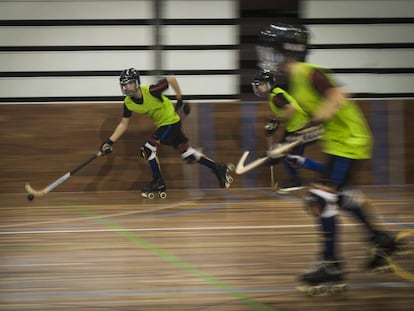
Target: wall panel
357, 8
335, 33
369, 43
61, 61
362, 58
79, 9
200, 9
76, 35
84, 45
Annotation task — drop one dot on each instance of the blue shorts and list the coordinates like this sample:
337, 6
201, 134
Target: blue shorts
338, 170
171, 135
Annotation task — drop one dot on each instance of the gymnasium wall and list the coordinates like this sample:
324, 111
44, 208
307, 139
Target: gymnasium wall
74, 50
42, 142
59, 93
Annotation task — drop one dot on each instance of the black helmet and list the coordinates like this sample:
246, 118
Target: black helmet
128, 76
279, 41
263, 77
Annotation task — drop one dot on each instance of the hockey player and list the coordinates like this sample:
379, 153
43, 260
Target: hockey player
285, 111
149, 100
346, 139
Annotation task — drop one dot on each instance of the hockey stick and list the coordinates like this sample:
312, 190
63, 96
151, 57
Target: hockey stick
38, 193
278, 152
269, 140
301, 137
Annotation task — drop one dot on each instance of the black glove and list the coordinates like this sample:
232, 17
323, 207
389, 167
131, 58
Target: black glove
182, 106
106, 147
271, 126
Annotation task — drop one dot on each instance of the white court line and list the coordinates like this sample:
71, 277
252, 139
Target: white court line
95, 217
46, 264
181, 229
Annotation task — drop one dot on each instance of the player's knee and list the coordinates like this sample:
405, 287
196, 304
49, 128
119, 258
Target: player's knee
189, 154
352, 199
321, 203
148, 151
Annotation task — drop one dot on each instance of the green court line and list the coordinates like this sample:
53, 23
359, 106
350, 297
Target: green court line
174, 260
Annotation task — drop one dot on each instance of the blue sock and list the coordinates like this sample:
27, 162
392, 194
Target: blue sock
329, 234
155, 168
207, 162
312, 165
291, 170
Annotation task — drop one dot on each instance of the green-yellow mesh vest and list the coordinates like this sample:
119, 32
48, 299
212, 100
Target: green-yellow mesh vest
346, 133
299, 118
161, 112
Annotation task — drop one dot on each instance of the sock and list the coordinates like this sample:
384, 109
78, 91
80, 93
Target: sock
291, 170
312, 165
362, 217
207, 162
155, 168
329, 234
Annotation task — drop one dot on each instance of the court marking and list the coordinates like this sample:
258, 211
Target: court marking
186, 228
177, 262
194, 291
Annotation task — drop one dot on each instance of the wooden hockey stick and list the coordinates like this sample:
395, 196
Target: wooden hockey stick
301, 137
269, 140
38, 193
278, 152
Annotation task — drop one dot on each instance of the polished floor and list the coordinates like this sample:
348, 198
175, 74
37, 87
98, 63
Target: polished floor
216, 249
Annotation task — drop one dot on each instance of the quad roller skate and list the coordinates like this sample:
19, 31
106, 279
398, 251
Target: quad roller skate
155, 186
325, 279
222, 173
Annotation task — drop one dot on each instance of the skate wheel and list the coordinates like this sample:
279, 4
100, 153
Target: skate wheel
314, 290
338, 289
151, 196
162, 195
230, 167
230, 179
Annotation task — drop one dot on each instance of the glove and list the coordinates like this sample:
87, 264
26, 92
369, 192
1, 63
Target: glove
271, 126
106, 147
182, 106
295, 160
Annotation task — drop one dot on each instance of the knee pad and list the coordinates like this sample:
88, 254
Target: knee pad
321, 203
190, 155
148, 151
352, 199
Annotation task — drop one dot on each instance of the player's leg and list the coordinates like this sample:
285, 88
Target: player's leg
354, 201
221, 170
322, 204
149, 153
383, 243
306, 163
294, 180
190, 155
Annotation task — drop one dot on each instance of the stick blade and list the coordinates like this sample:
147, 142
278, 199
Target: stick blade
242, 169
32, 191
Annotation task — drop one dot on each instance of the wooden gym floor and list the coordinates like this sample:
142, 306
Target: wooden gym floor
216, 249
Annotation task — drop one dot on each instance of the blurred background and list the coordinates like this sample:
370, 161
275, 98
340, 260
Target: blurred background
59, 95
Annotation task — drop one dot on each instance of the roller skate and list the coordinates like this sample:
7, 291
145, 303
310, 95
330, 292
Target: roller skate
155, 186
385, 246
222, 173
325, 279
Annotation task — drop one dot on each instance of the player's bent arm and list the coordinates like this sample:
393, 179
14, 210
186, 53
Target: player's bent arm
172, 81
287, 114
120, 129
334, 99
